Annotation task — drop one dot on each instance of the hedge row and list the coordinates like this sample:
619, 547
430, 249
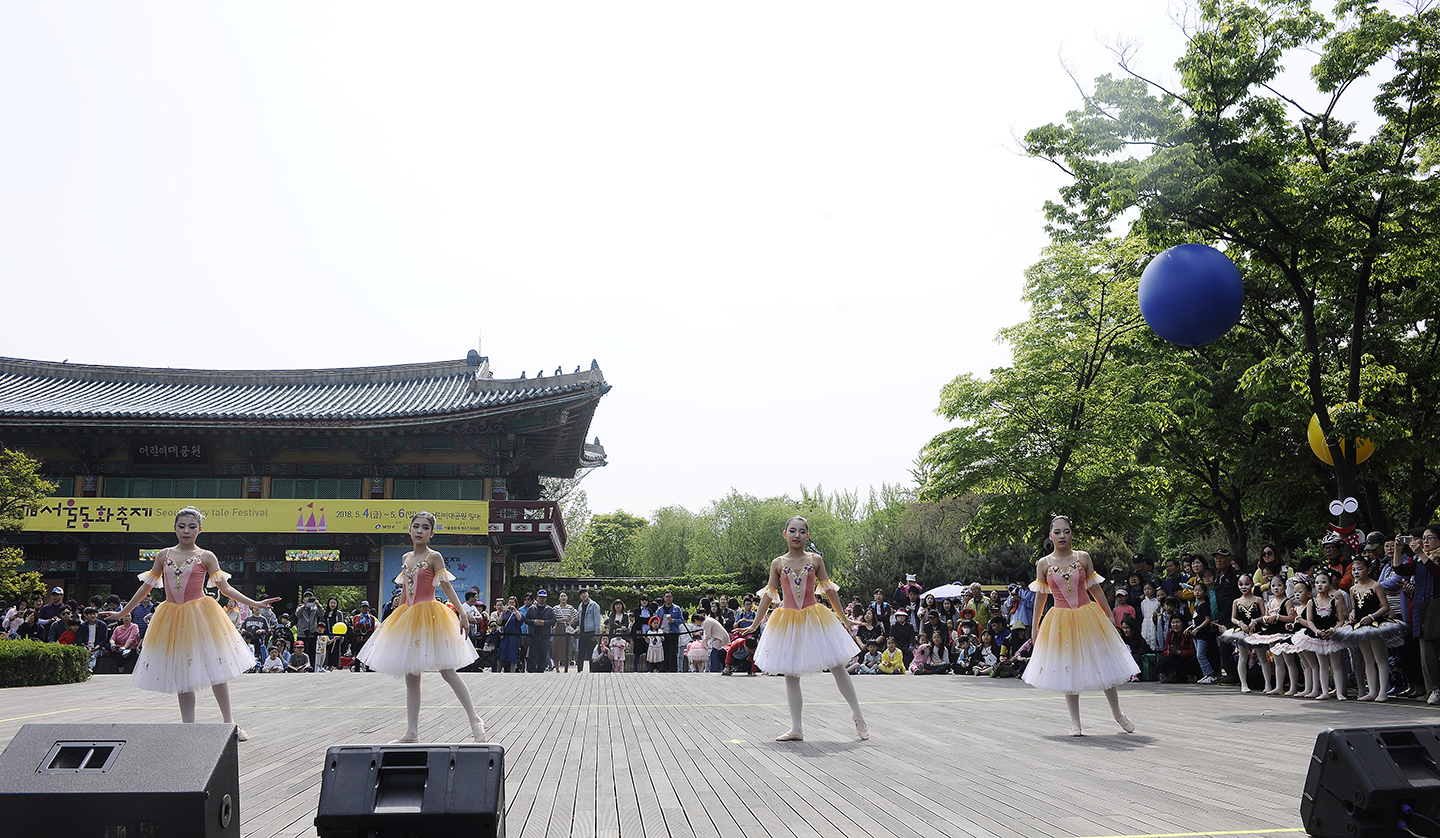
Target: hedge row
29, 663
687, 590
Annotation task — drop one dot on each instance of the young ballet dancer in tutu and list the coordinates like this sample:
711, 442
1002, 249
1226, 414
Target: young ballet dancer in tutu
190, 642
1370, 630
1322, 614
1076, 646
803, 635
421, 634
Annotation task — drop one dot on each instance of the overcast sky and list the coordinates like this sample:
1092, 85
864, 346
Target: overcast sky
779, 227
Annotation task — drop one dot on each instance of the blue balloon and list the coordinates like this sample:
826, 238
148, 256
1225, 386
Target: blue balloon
1191, 294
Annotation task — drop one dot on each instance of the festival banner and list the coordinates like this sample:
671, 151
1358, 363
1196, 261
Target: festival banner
273, 515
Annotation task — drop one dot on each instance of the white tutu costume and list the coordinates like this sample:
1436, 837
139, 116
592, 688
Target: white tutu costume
1076, 649
421, 634
190, 643
1325, 618
802, 635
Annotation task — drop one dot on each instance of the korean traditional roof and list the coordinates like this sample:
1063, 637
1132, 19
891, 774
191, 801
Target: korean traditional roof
44, 392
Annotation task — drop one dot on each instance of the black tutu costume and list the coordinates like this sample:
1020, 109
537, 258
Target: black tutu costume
1388, 629
1245, 614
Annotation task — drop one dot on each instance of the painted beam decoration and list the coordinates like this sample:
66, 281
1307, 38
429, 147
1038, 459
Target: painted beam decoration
273, 515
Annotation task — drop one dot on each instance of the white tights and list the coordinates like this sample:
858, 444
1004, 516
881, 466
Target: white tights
1072, 703
222, 698
412, 701
797, 701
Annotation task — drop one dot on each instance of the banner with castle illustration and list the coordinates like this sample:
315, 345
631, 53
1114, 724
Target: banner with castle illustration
157, 515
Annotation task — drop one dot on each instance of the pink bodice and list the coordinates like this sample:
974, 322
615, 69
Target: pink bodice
1068, 585
184, 580
797, 587
419, 582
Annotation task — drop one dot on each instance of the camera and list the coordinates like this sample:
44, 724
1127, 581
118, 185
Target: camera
1404, 540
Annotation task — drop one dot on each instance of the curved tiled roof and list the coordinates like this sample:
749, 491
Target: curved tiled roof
39, 390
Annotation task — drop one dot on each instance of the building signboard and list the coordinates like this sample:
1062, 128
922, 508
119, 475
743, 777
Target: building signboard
271, 515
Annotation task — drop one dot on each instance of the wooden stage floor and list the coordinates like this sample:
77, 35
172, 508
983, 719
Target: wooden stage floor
666, 756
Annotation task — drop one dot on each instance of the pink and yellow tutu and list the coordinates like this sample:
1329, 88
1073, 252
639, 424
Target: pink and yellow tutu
190, 643
802, 635
421, 636
1076, 648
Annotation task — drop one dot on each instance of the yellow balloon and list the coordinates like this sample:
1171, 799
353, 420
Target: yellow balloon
339, 628
1363, 447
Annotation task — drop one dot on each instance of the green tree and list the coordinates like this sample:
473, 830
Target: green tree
1057, 431
1331, 228
614, 540
21, 489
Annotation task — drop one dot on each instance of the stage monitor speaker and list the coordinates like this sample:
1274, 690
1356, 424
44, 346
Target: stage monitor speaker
386, 791
121, 781
1361, 778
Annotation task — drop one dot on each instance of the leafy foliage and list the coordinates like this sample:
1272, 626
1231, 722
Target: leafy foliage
27, 663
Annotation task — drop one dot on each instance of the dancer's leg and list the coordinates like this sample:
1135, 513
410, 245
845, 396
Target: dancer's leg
1113, 696
1322, 676
1365, 679
1311, 665
1242, 665
797, 703
1072, 703
1337, 674
1267, 669
187, 708
1292, 673
412, 710
847, 689
477, 725
222, 698
1381, 692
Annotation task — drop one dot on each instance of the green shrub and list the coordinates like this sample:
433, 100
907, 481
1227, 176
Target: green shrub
27, 663
687, 589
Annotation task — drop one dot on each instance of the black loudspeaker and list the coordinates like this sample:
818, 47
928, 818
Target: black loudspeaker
121, 781
1361, 779
386, 791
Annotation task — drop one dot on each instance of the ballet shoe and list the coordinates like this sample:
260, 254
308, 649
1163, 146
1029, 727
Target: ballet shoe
1275, 691
790, 736
477, 731
862, 729
1365, 697
405, 740
1381, 698
241, 735
1244, 690
1125, 723
1321, 696
1075, 731
1339, 695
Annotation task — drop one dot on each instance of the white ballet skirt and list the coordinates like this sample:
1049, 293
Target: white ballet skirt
1076, 648
190, 643
421, 634
802, 635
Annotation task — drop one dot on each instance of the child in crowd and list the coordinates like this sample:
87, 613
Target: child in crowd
1202, 630
697, 655
892, 660
655, 654
1122, 609
1149, 624
966, 656
273, 661
989, 655
870, 664
618, 647
921, 658
1177, 656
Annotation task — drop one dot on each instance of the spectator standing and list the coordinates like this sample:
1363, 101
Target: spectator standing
363, 624
540, 617
1226, 590
590, 625
976, 600
307, 625
332, 617
508, 655
567, 624
477, 618
1122, 610
1427, 569
672, 622
715, 638
52, 609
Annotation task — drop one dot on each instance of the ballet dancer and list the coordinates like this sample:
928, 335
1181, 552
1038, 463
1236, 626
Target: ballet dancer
190, 642
803, 635
1076, 646
421, 634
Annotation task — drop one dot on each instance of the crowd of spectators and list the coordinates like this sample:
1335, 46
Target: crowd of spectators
1174, 621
